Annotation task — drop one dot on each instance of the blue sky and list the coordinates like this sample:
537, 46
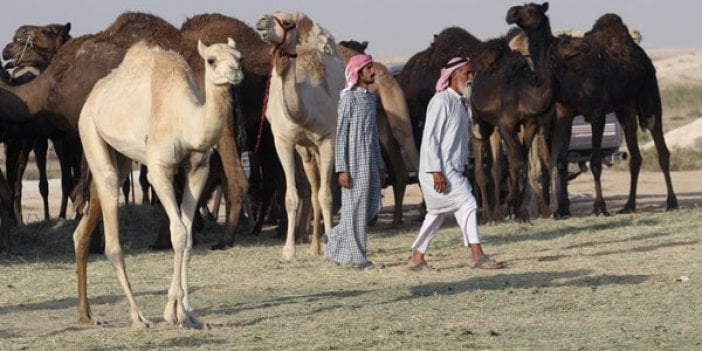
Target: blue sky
393, 27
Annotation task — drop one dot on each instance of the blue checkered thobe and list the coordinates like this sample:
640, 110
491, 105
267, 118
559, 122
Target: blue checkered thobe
358, 153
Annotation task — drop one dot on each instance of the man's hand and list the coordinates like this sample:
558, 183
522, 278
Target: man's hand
345, 180
439, 182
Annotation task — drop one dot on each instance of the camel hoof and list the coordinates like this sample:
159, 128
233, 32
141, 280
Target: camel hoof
222, 246
626, 210
159, 246
315, 250
91, 321
191, 322
289, 254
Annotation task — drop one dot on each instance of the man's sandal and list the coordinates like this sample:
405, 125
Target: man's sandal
422, 266
485, 262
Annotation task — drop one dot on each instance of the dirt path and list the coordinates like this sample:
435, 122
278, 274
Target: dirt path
615, 186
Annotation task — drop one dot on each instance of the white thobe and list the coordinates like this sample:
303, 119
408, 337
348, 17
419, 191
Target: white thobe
445, 149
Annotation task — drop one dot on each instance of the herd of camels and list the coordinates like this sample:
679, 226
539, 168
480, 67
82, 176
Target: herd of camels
218, 84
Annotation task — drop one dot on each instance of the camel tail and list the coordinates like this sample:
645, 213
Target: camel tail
81, 192
649, 105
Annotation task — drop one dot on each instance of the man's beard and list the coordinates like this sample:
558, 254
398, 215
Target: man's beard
466, 90
369, 81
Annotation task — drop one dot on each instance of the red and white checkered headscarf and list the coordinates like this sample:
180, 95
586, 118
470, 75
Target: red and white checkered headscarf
355, 65
446, 71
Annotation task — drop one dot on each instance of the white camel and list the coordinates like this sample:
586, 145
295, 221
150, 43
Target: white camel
150, 110
307, 76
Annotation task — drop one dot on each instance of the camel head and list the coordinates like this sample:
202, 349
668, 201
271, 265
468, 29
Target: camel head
279, 29
222, 63
357, 46
529, 16
35, 46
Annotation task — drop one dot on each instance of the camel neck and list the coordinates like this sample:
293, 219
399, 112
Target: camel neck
19, 103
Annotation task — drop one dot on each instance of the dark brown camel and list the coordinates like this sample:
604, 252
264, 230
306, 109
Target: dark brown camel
421, 71
394, 126
624, 78
508, 94
29, 53
7, 219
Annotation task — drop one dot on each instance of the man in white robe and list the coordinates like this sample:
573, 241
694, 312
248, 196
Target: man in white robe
443, 166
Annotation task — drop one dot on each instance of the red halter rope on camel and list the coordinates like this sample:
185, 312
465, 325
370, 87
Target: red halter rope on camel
270, 73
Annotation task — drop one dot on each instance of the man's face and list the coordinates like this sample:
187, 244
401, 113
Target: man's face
367, 74
463, 79
462, 75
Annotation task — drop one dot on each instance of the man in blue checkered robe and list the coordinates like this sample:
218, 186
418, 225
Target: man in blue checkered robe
358, 165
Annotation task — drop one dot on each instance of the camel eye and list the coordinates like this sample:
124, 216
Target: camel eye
210, 61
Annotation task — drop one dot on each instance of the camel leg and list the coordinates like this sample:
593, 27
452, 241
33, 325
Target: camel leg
326, 168
40, 146
517, 174
178, 309
161, 179
561, 143
311, 168
145, 186
541, 146
496, 163
15, 162
81, 243
478, 143
6, 217
66, 174
628, 121
105, 165
396, 164
236, 183
304, 193
664, 162
599, 207
531, 143
286, 154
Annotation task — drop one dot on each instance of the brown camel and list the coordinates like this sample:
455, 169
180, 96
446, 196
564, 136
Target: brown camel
29, 53
421, 71
7, 219
625, 79
394, 125
508, 94
169, 122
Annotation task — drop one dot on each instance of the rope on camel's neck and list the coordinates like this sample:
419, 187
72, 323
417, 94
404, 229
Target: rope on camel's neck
270, 75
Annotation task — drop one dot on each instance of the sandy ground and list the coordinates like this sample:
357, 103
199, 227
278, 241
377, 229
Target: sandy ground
615, 186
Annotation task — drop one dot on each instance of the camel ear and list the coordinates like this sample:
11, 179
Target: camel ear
364, 44
231, 43
545, 6
66, 28
201, 48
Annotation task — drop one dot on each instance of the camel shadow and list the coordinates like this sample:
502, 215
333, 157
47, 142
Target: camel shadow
645, 203
284, 300
647, 248
71, 302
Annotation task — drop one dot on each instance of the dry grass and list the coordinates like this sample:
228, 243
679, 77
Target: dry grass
586, 283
